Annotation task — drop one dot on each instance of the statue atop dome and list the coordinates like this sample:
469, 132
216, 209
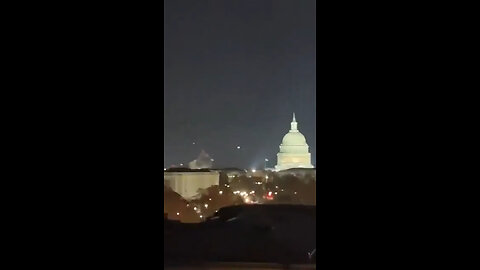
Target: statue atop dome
293, 150
293, 124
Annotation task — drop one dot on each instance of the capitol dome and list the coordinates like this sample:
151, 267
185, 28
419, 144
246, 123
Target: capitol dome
293, 150
294, 138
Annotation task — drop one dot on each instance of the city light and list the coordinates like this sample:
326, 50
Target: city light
178, 214
206, 205
269, 196
220, 192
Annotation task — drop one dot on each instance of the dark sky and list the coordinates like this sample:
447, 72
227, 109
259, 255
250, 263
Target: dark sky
235, 70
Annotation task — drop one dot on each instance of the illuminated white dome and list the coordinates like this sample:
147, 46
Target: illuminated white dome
293, 150
294, 138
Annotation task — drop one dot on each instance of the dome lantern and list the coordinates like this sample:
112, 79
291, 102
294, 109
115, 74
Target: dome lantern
293, 124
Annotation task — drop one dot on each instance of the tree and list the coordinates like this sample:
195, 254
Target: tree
309, 195
296, 190
223, 179
216, 197
242, 183
174, 203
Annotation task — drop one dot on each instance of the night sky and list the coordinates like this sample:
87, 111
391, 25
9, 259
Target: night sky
235, 70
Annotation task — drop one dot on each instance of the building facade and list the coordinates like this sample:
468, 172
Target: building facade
293, 150
188, 183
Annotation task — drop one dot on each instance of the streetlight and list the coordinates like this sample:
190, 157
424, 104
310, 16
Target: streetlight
266, 160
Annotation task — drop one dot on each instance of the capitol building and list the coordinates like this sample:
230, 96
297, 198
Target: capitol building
293, 150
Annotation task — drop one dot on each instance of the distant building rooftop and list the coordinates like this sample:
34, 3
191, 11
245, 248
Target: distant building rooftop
186, 170
301, 169
228, 169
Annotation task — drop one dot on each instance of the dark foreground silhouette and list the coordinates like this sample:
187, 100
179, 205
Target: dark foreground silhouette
283, 234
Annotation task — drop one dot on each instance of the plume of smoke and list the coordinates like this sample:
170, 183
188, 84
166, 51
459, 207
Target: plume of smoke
204, 161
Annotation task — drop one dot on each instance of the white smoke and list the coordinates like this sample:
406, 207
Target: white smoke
204, 161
